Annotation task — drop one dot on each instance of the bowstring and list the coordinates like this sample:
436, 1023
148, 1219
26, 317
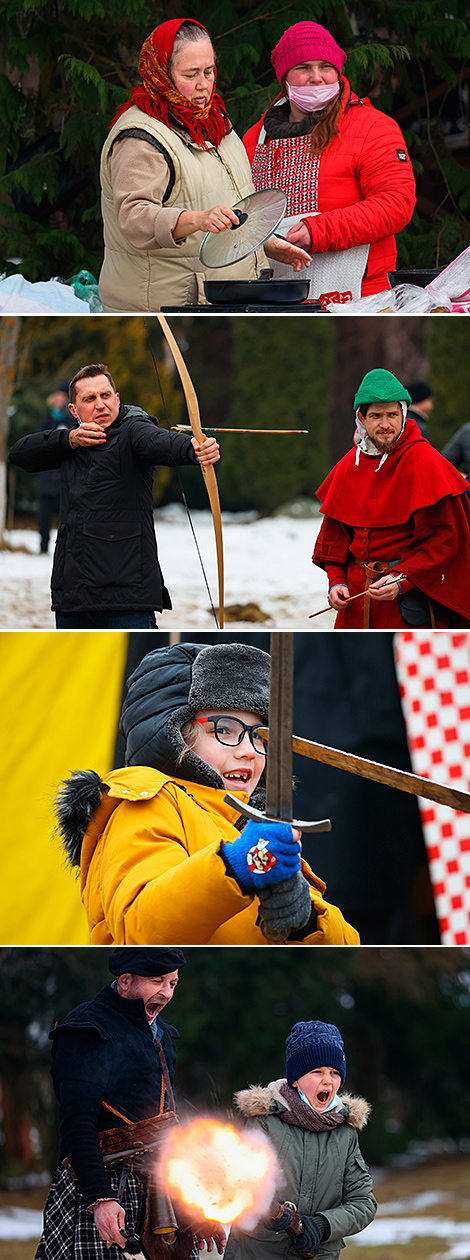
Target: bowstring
183, 496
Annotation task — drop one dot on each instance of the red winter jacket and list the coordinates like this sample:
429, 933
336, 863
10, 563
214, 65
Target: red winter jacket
366, 187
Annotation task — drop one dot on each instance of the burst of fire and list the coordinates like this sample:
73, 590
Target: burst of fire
225, 1175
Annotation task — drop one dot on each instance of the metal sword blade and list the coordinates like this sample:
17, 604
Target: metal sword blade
281, 704
279, 762
389, 775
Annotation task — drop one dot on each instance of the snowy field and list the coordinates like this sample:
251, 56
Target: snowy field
395, 1225
267, 563
401, 1222
20, 1223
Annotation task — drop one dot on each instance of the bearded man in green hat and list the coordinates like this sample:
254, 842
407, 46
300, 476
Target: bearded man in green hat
396, 527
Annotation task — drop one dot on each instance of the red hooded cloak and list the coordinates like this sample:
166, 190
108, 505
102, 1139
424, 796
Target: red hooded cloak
412, 513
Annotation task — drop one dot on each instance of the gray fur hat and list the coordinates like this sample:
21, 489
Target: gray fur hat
169, 687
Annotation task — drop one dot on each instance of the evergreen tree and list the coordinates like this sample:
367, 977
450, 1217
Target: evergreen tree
52, 350
283, 373
449, 377
65, 69
403, 1016
398, 344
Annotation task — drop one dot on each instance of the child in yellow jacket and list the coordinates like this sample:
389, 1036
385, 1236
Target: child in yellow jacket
162, 856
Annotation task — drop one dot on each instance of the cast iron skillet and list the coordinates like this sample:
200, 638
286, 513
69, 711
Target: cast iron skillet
255, 292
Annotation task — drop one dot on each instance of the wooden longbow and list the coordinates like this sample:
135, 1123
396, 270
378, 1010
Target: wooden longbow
207, 472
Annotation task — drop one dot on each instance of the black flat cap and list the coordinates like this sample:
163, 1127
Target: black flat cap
145, 962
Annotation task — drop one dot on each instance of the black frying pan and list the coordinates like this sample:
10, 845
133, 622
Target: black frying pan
255, 292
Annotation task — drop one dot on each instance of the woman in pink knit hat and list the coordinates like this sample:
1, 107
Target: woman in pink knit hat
343, 165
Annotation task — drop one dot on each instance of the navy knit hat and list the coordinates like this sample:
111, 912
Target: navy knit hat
311, 1045
145, 962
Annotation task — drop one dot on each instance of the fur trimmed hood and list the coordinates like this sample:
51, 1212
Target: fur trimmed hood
265, 1100
76, 802
166, 689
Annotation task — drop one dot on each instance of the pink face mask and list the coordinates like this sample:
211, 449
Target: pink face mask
314, 97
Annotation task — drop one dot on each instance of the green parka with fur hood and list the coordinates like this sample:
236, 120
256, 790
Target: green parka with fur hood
324, 1172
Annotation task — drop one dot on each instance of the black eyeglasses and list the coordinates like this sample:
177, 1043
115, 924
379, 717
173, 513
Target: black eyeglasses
231, 731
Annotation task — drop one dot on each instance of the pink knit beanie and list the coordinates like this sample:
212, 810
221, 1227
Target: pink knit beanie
306, 41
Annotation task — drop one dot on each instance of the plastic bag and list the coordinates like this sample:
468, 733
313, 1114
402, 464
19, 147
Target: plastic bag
415, 300
85, 287
408, 298
453, 284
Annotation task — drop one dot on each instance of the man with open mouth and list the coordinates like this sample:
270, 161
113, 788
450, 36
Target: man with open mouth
113, 1066
164, 857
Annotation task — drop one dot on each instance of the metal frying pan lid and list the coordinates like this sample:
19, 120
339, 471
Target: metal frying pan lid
260, 214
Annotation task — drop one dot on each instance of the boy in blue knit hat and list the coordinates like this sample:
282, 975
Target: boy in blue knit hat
327, 1187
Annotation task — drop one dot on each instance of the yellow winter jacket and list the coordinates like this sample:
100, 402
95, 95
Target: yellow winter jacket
152, 873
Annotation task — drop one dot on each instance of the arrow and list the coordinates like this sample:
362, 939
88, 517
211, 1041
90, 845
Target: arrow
186, 428
398, 577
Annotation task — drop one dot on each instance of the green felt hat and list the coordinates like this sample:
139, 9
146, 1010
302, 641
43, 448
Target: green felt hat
380, 386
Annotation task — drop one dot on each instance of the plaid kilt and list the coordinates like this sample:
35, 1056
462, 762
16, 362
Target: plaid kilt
69, 1230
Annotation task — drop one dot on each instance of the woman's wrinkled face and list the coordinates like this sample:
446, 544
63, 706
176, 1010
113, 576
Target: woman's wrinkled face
240, 766
193, 72
312, 73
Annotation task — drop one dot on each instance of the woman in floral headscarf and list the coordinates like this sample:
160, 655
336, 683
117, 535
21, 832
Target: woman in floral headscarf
171, 169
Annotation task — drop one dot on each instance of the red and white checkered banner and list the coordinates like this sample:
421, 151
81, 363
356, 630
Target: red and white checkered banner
433, 671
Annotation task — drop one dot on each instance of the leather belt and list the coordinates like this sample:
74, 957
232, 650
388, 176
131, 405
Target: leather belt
372, 570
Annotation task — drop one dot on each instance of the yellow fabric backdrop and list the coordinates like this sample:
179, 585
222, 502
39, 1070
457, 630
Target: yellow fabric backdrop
60, 698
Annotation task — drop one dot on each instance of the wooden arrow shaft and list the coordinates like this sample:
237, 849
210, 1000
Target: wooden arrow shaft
401, 779
186, 428
398, 577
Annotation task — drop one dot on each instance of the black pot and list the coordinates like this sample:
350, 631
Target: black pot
421, 277
255, 292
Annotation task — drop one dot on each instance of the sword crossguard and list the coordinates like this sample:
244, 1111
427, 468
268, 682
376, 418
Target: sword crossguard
249, 811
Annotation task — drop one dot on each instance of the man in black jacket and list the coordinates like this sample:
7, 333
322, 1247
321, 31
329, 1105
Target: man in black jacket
106, 573
107, 1073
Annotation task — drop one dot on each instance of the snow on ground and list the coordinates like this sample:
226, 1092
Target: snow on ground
385, 1232
398, 1223
417, 1202
267, 562
20, 1223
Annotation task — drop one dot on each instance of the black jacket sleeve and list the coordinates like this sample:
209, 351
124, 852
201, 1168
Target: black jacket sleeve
80, 1080
79, 1133
457, 449
39, 451
150, 442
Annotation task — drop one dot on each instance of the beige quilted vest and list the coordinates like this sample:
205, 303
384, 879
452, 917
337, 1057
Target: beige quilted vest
144, 280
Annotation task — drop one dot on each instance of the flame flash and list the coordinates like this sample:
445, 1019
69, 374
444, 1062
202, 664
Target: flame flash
225, 1175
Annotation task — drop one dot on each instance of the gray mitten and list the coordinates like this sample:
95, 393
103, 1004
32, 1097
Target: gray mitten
284, 908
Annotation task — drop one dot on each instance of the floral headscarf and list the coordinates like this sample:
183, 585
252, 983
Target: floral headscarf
158, 96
